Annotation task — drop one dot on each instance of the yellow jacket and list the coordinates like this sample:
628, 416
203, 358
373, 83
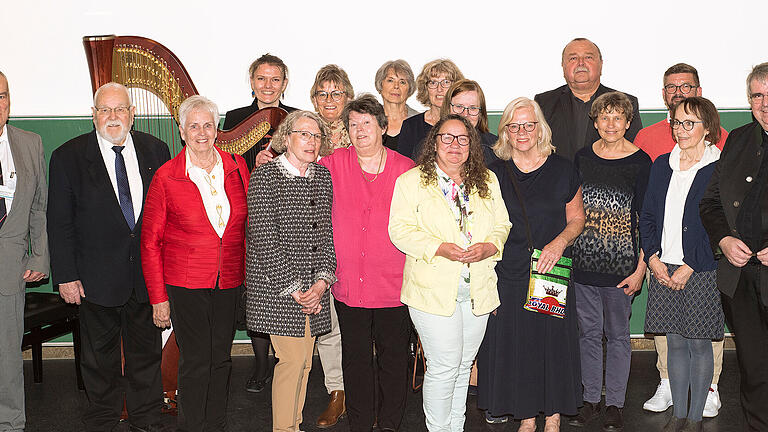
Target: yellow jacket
420, 219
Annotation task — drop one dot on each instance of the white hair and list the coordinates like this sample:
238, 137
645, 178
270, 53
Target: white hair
198, 103
115, 86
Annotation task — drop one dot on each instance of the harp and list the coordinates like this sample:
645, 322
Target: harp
159, 83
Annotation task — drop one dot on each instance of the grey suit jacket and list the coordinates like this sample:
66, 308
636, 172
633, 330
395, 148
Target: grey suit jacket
23, 236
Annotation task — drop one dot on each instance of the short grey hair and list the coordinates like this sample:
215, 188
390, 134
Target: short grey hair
758, 73
114, 86
286, 126
401, 67
198, 103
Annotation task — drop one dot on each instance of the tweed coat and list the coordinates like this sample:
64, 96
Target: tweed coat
289, 247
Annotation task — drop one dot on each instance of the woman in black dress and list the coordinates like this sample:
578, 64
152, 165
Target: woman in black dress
269, 78
395, 83
529, 362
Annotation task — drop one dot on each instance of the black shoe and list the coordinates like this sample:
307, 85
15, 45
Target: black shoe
257, 385
154, 427
472, 390
692, 426
613, 419
675, 424
586, 413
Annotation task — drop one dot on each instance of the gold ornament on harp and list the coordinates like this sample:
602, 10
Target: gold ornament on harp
247, 141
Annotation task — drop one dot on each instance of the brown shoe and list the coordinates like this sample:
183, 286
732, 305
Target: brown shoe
336, 410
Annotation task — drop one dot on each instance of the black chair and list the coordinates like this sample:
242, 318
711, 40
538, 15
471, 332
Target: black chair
47, 316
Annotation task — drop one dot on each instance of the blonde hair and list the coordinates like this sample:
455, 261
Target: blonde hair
286, 126
433, 69
503, 147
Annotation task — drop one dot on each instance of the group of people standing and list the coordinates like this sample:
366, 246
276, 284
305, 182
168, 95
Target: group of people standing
362, 219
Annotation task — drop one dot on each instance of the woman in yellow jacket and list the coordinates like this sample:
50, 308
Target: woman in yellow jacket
449, 218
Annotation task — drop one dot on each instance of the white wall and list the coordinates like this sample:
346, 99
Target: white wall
510, 48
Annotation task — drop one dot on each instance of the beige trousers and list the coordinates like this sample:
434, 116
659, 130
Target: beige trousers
289, 385
329, 350
661, 362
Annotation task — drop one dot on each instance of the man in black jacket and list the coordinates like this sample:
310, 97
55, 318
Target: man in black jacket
567, 108
98, 182
734, 211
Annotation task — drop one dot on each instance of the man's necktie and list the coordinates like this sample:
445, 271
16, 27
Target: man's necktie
3, 212
123, 190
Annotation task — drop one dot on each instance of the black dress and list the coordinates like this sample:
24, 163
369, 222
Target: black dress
529, 362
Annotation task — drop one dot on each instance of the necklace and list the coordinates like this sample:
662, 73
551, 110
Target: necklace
378, 170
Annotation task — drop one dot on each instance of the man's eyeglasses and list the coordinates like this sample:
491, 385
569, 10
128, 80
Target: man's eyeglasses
686, 124
307, 135
336, 95
515, 127
684, 88
105, 111
471, 110
448, 139
444, 83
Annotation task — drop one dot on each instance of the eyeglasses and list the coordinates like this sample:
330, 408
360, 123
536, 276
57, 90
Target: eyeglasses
444, 83
687, 124
335, 95
757, 98
307, 135
515, 127
471, 110
105, 111
684, 88
448, 139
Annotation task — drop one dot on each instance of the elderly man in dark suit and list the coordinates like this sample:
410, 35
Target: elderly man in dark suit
734, 211
23, 250
98, 182
567, 108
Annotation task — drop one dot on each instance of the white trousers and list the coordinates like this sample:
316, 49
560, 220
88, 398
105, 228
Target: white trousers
450, 346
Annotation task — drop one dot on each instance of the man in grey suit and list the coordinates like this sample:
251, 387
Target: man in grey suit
23, 250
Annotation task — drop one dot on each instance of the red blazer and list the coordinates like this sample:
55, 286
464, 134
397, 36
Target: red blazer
178, 244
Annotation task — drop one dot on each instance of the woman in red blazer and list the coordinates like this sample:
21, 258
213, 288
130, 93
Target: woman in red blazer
193, 249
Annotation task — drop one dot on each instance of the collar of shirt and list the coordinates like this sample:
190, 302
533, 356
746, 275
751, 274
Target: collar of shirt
289, 166
189, 166
106, 146
4, 135
711, 154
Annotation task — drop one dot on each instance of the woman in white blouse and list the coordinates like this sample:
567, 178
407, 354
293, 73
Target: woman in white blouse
683, 300
193, 257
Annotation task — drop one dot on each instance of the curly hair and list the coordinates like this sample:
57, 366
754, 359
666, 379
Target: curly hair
473, 172
286, 126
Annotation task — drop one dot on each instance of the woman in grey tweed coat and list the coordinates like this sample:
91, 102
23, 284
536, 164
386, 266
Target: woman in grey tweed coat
290, 259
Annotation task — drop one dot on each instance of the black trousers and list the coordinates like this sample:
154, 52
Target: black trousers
748, 318
389, 328
204, 322
101, 329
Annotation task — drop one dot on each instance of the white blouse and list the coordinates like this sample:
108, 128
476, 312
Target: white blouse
679, 186
211, 187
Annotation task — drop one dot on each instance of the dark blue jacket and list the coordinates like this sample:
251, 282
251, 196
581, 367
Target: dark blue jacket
697, 252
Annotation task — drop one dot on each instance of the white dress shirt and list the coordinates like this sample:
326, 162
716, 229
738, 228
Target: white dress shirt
8, 188
135, 184
211, 187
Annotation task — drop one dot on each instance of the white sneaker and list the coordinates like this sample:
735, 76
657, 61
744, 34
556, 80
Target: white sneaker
712, 406
661, 400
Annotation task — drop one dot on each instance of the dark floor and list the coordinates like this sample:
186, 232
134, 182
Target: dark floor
55, 404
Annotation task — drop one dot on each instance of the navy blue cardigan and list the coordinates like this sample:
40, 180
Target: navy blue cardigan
697, 252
